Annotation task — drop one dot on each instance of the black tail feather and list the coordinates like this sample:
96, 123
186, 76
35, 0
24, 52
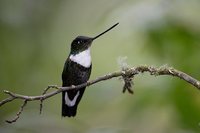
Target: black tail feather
67, 110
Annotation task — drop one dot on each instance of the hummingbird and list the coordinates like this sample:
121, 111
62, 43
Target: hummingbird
77, 70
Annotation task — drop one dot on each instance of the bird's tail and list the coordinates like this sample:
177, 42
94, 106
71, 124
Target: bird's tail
68, 111
70, 101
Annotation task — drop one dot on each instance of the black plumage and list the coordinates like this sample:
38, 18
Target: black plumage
73, 74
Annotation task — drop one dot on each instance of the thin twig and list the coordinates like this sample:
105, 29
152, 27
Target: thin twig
44, 92
18, 113
6, 100
127, 75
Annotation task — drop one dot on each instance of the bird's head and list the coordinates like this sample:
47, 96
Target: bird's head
82, 43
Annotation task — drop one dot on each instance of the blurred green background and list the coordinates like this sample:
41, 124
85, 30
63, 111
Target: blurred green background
35, 38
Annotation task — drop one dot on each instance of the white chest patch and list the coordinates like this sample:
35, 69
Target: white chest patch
69, 102
82, 58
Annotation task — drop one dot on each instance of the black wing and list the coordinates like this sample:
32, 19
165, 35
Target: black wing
73, 74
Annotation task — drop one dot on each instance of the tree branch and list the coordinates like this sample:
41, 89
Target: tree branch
18, 113
127, 75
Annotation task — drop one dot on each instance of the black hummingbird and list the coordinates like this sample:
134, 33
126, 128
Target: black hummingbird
76, 71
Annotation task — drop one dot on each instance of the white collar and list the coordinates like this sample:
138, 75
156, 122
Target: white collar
83, 58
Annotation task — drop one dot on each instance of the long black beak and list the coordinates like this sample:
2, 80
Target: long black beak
104, 32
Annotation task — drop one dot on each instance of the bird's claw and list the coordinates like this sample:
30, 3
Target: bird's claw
73, 86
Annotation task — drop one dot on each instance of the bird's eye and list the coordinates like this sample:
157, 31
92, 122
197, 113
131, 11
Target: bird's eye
78, 42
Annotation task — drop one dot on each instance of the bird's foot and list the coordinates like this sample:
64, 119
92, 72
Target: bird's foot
73, 86
88, 83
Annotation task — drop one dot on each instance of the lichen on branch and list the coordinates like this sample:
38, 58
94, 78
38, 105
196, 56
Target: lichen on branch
127, 74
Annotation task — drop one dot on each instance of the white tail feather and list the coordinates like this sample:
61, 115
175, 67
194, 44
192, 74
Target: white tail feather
69, 102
